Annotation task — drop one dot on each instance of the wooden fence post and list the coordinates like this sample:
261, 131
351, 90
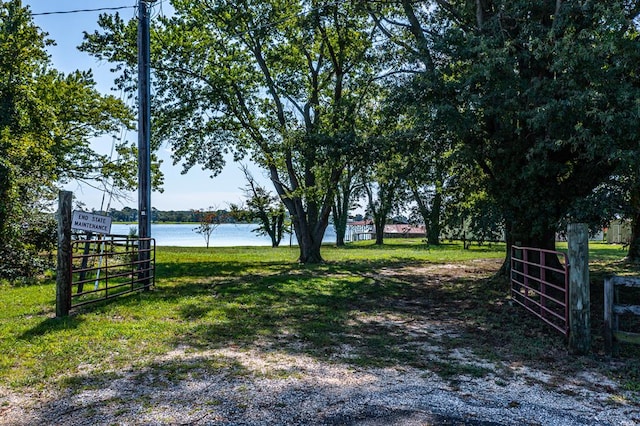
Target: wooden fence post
579, 293
609, 320
63, 277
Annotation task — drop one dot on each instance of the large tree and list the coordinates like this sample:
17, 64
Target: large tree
282, 80
47, 120
542, 96
548, 125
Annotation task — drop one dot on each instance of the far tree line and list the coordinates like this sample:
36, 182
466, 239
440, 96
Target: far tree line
129, 214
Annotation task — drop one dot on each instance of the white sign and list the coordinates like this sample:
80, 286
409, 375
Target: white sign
91, 222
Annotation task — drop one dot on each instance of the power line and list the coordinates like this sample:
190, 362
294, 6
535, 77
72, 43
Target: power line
61, 12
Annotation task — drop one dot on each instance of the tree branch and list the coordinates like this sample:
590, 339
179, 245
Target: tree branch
418, 34
390, 36
480, 14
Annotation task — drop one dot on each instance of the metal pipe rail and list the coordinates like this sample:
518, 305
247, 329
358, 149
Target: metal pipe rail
113, 265
532, 286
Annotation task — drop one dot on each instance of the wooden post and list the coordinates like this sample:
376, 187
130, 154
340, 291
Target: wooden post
579, 293
609, 325
63, 278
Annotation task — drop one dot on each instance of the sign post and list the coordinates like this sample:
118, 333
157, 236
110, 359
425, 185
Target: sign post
63, 276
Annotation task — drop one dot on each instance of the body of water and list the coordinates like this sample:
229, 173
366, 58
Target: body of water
225, 235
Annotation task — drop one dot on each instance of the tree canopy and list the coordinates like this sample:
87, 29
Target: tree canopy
47, 120
541, 96
283, 81
522, 108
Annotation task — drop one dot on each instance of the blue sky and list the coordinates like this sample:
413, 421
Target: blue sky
194, 190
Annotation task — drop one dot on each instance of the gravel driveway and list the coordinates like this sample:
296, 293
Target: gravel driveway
254, 387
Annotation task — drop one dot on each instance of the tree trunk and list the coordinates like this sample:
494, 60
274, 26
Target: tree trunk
309, 235
340, 218
273, 227
379, 222
278, 226
309, 244
521, 237
430, 216
633, 254
342, 204
634, 242
433, 232
422, 207
309, 222
341, 230
381, 211
6, 205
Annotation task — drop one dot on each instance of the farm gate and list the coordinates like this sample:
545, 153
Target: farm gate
92, 270
109, 267
540, 284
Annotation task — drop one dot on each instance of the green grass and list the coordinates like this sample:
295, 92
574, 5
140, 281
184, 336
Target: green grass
247, 296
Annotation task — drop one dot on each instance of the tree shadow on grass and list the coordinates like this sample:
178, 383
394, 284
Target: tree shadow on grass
51, 325
335, 311
167, 271
396, 244
353, 313
435, 318
364, 313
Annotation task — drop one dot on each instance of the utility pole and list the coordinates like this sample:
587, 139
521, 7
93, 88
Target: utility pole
144, 139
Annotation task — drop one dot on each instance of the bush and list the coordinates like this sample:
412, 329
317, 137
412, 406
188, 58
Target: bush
28, 252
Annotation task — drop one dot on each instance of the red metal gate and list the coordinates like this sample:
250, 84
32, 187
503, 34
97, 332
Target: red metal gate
540, 284
110, 267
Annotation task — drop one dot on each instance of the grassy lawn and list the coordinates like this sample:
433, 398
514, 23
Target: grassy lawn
378, 305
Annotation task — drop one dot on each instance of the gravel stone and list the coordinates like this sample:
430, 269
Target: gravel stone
266, 387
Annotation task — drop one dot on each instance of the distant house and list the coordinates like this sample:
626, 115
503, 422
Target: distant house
365, 230
404, 230
360, 230
619, 232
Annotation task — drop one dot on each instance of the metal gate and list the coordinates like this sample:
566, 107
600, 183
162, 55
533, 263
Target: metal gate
541, 285
109, 267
